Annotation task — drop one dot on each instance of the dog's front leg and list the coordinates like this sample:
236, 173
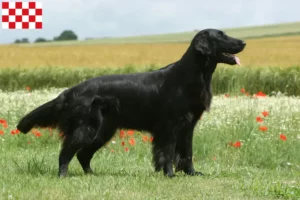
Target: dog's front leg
163, 153
184, 152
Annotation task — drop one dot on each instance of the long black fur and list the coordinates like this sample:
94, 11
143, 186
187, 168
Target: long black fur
167, 103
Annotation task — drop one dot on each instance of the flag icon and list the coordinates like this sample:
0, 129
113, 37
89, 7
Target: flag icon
21, 15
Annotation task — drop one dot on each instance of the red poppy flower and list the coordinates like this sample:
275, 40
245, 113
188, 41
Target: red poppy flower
260, 94
15, 132
3, 122
123, 143
28, 88
1, 132
126, 149
259, 119
145, 138
247, 93
243, 90
38, 134
130, 132
132, 141
237, 144
122, 134
265, 113
282, 137
263, 128
151, 139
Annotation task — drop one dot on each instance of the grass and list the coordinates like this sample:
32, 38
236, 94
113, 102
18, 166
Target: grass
270, 80
275, 51
262, 167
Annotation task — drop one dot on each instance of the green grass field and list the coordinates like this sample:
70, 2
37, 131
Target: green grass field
240, 160
243, 33
270, 80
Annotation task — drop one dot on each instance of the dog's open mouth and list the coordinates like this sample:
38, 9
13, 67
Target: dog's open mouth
232, 57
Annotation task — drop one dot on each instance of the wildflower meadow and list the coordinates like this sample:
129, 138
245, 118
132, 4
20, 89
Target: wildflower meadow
247, 146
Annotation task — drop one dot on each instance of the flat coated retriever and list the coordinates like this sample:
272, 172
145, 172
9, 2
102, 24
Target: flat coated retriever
166, 102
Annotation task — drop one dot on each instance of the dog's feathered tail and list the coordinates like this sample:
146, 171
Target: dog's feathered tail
46, 115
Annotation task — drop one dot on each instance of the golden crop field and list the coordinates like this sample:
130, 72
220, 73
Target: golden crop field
280, 51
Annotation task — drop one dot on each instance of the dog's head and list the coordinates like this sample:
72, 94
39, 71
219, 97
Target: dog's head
218, 46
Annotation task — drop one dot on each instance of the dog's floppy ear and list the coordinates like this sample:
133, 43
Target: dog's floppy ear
204, 45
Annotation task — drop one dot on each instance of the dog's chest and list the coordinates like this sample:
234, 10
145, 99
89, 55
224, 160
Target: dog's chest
184, 102
198, 97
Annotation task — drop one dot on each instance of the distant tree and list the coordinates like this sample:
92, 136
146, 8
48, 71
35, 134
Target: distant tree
23, 40
40, 40
17, 41
66, 35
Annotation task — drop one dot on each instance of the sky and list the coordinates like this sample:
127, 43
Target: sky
115, 18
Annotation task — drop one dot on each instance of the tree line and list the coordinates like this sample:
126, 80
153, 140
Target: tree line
65, 35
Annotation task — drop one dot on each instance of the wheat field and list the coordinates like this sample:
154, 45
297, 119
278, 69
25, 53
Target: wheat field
275, 51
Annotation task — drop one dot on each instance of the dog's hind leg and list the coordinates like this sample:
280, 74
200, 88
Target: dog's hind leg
77, 139
69, 148
85, 154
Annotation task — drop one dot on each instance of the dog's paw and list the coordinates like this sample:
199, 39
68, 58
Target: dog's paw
194, 173
62, 176
88, 171
170, 175
198, 174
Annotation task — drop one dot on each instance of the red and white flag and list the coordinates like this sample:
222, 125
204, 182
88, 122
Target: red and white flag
22, 15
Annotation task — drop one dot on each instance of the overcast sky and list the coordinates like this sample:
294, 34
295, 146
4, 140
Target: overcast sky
100, 18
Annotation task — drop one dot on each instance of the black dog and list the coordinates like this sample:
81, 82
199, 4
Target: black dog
167, 103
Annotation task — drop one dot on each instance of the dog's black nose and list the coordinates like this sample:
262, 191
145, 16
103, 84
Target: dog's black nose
244, 43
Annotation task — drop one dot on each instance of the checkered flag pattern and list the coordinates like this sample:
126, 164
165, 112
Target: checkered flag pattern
21, 15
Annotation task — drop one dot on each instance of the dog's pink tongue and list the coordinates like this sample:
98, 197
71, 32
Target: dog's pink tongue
237, 60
